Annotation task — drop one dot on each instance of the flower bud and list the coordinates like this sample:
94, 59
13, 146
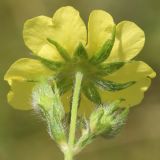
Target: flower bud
48, 101
108, 119
42, 96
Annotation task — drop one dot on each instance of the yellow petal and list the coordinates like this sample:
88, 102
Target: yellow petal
132, 71
66, 27
20, 95
35, 34
19, 77
69, 28
86, 106
27, 69
100, 27
132, 95
128, 43
49, 52
135, 71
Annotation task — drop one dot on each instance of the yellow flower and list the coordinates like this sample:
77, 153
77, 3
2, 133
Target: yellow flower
61, 47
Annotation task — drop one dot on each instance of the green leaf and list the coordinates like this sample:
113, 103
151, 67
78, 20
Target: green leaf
80, 52
50, 64
105, 50
91, 93
109, 68
113, 86
62, 51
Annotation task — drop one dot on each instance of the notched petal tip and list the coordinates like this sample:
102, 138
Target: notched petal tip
130, 39
105, 50
100, 27
69, 28
34, 32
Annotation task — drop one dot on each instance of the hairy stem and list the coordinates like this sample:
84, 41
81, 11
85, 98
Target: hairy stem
75, 102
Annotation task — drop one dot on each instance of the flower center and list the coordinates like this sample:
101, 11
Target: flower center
69, 69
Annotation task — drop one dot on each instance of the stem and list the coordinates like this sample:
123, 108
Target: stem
75, 102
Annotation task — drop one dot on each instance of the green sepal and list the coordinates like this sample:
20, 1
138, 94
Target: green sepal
80, 52
100, 121
95, 117
58, 107
105, 50
108, 120
64, 85
109, 68
62, 51
56, 130
113, 106
53, 65
113, 86
90, 91
118, 123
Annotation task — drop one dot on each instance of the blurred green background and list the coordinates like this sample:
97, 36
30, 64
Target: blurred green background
23, 135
